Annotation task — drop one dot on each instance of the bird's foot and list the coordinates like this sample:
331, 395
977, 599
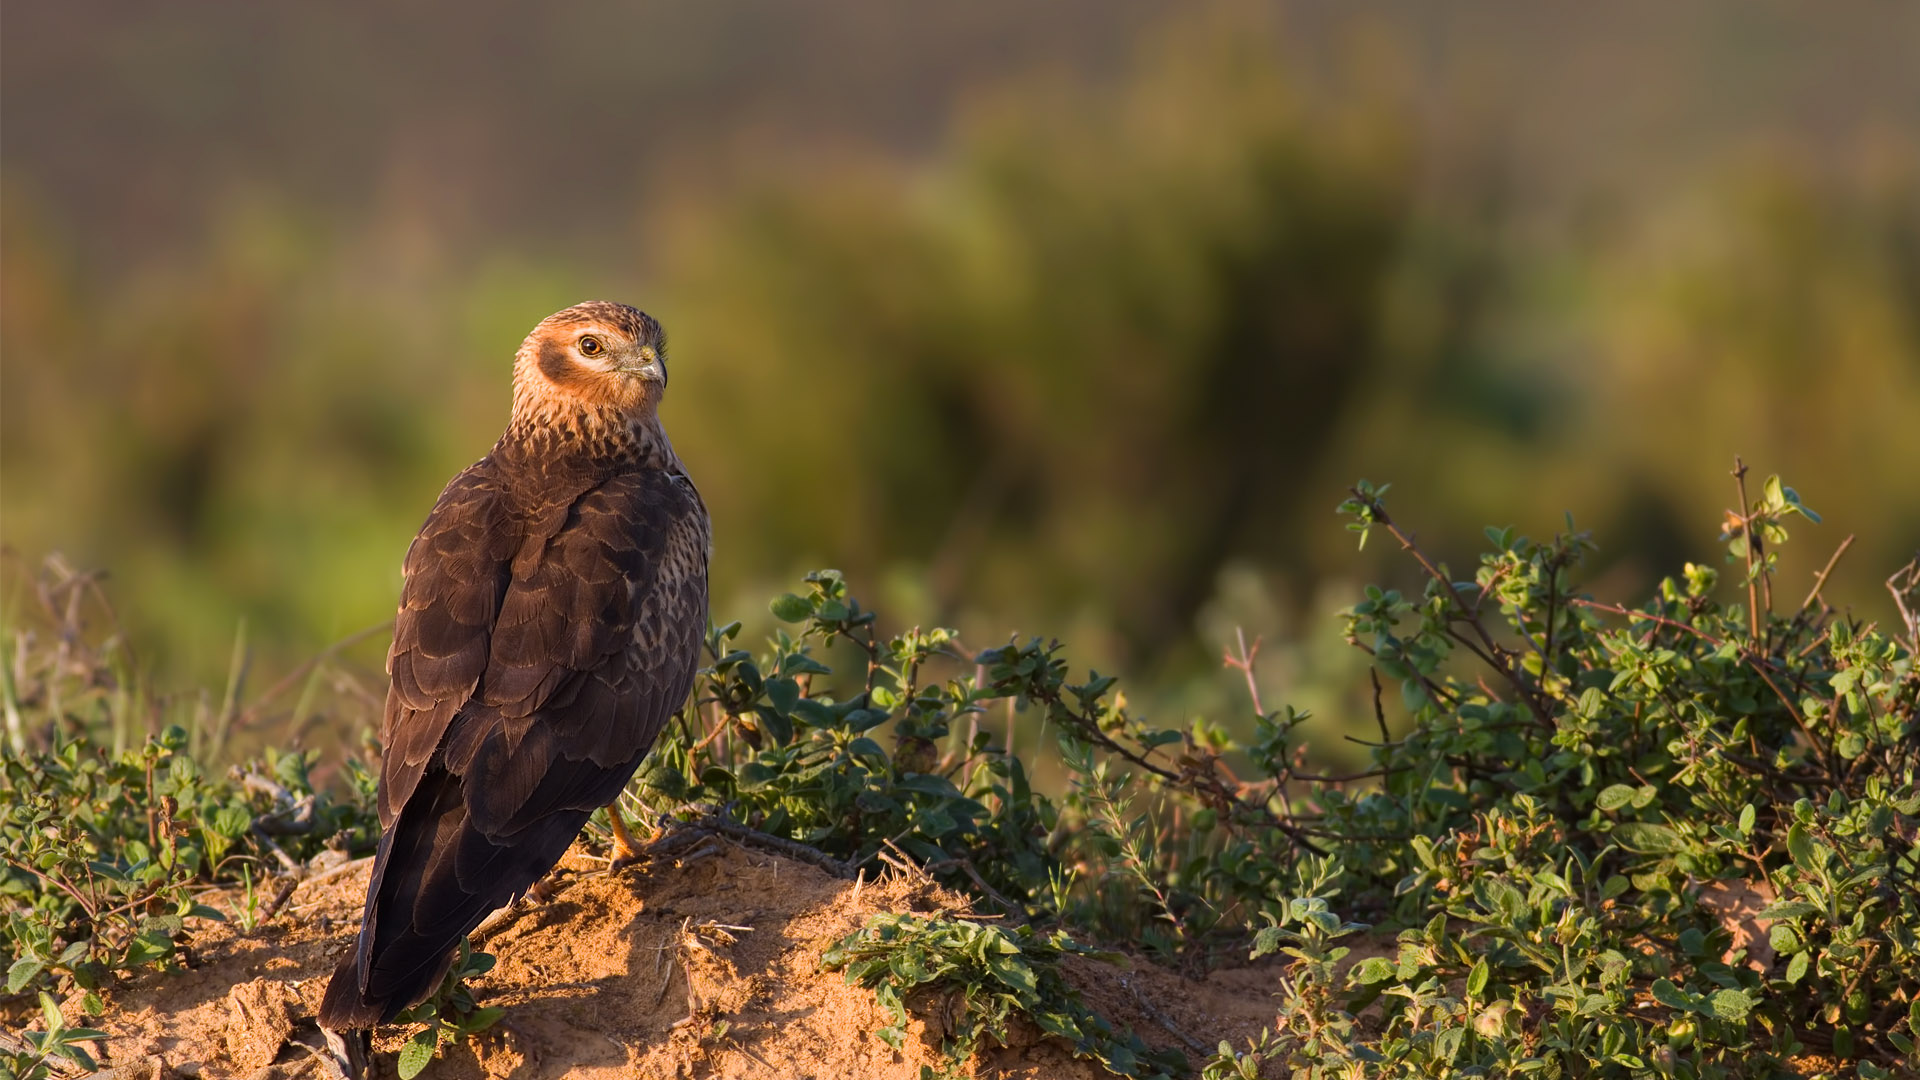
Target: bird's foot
542, 890
626, 850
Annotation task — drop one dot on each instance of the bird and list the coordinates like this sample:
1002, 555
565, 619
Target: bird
551, 618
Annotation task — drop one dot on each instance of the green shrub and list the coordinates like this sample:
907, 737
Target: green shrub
104, 854
1595, 839
995, 974
1677, 837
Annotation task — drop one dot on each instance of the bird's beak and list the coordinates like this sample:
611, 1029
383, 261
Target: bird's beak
645, 367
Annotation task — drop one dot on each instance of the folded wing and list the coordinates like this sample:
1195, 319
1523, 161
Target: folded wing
537, 654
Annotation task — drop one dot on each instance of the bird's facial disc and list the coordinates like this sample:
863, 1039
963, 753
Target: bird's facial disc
602, 355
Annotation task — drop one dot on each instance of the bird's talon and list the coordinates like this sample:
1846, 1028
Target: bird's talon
626, 850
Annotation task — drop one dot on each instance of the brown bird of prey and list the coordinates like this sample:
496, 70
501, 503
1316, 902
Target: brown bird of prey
550, 624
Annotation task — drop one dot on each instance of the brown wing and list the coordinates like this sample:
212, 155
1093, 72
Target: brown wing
593, 651
592, 648
456, 572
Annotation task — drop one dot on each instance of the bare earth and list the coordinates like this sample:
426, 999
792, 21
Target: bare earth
705, 965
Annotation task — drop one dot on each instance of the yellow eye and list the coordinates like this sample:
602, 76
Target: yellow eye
590, 346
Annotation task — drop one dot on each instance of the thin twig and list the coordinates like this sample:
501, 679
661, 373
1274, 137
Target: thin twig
279, 899
1752, 541
1158, 1017
1901, 590
1244, 662
344, 868
1820, 579
1529, 694
251, 713
1379, 712
779, 845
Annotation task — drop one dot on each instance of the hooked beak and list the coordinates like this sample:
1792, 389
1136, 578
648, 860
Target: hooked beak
645, 367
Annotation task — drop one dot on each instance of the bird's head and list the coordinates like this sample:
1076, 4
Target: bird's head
595, 358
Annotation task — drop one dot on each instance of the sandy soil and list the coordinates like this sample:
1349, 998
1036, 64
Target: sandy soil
702, 965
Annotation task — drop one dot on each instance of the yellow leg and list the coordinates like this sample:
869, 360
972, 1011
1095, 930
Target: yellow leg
626, 850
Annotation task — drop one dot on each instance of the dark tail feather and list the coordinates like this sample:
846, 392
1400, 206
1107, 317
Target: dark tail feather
344, 1009
436, 877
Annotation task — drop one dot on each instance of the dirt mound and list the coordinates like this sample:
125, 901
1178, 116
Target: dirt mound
705, 965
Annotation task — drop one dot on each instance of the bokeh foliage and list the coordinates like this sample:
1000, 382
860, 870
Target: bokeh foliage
1086, 364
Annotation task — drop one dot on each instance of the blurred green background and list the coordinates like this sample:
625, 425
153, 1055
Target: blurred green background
1070, 319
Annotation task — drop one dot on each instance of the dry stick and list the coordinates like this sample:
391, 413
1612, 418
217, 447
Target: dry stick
344, 868
1746, 532
897, 857
1089, 730
1158, 1017
726, 721
1379, 713
1820, 579
279, 899
287, 861
1900, 589
1245, 664
1472, 619
1649, 616
247, 715
777, 844
1433, 688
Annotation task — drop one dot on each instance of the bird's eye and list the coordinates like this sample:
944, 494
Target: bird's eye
590, 346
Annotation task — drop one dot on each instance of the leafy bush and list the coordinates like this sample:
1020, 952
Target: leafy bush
994, 974
1594, 839
103, 854
782, 750
106, 848
1678, 837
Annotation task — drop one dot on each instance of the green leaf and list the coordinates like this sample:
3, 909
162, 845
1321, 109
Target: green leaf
1797, 967
1477, 978
1800, 846
23, 971
1647, 838
232, 822
783, 693
1731, 1004
77, 1055
1783, 939
1774, 495
1788, 909
790, 608
417, 1053
1372, 970
1670, 995
1614, 796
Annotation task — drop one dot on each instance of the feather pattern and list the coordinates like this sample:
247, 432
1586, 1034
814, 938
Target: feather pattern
549, 626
